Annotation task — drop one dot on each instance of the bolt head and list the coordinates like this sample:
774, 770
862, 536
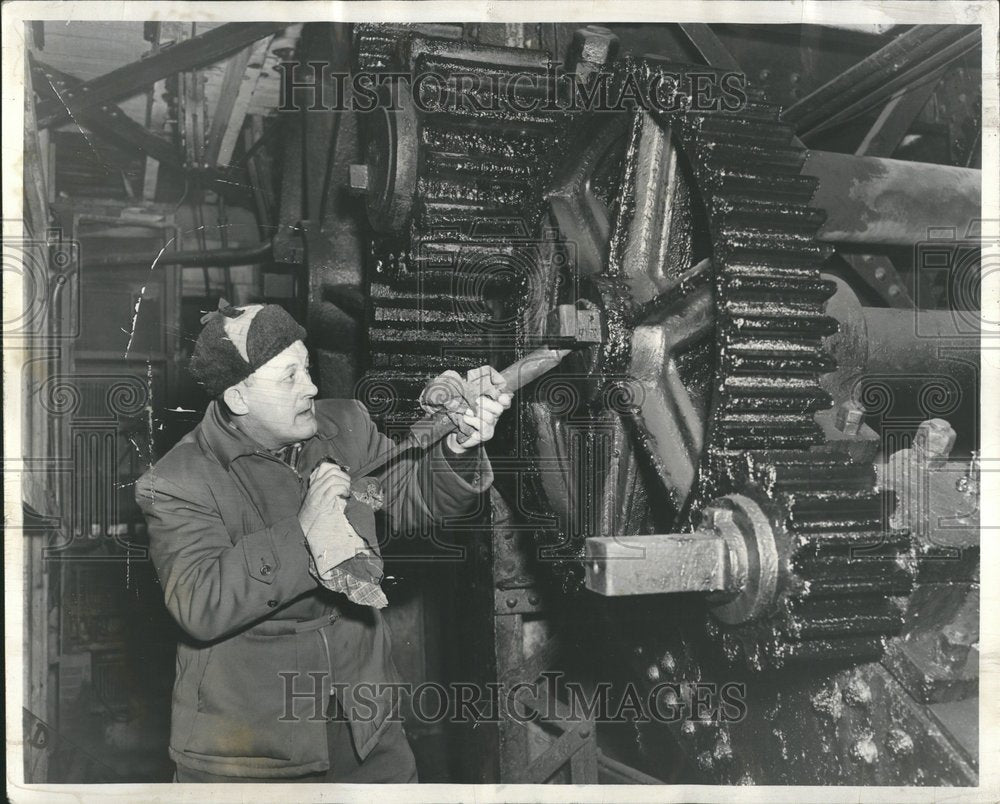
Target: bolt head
954, 645
667, 663
850, 416
597, 44
857, 692
358, 177
865, 751
899, 743
723, 751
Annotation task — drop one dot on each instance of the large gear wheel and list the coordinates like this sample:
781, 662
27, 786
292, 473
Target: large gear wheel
745, 278
692, 231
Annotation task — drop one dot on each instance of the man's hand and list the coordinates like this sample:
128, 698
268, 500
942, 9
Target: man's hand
482, 421
327, 483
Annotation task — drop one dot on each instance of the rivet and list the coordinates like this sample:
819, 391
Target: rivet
865, 750
899, 743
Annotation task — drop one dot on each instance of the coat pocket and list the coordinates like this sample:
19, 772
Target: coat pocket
244, 703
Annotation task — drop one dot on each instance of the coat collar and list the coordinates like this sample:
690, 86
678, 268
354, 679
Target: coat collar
228, 443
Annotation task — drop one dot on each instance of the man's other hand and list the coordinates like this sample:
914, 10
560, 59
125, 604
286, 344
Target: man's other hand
327, 483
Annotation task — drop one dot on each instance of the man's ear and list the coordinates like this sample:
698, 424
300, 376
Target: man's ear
235, 401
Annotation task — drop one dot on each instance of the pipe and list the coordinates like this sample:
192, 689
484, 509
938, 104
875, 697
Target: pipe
890, 201
246, 255
902, 348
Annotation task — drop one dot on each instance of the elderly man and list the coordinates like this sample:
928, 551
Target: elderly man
267, 554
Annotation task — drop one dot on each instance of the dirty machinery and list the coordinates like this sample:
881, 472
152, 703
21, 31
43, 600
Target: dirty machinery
717, 432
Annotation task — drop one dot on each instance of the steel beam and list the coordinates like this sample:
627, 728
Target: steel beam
107, 120
906, 50
927, 69
895, 120
890, 201
190, 54
709, 46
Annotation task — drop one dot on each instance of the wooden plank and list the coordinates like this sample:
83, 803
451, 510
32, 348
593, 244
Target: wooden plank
232, 78
228, 119
109, 122
149, 179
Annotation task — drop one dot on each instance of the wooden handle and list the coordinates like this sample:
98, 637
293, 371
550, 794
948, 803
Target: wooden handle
431, 429
531, 367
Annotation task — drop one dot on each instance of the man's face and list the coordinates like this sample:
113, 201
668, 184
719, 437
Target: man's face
279, 399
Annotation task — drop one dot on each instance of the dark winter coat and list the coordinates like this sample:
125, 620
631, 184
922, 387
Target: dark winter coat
232, 559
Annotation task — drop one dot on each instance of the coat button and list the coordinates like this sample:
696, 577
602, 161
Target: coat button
265, 569
272, 603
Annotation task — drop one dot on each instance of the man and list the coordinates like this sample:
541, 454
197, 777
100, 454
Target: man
253, 519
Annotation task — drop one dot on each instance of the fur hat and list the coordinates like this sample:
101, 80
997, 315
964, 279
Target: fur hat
236, 341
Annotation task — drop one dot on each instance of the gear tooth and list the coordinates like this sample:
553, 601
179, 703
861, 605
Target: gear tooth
842, 566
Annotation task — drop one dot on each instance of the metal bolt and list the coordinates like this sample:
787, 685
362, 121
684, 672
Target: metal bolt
723, 751
865, 750
358, 178
850, 416
857, 692
954, 645
935, 438
533, 599
899, 743
880, 274
584, 734
511, 602
717, 518
597, 44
